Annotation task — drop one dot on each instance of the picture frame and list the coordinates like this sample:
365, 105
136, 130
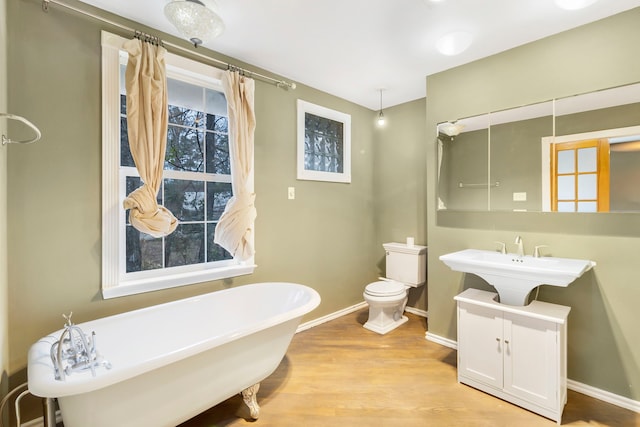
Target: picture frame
323, 143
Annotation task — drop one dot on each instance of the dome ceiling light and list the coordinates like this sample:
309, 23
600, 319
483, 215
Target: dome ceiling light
454, 43
196, 20
574, 4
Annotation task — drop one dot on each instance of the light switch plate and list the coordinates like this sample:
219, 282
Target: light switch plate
519, 197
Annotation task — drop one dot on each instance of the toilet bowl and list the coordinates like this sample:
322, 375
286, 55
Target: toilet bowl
387, 300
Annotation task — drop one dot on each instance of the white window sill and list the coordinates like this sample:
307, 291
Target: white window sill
133, 287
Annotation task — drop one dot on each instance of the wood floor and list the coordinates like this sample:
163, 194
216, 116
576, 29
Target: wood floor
340, 374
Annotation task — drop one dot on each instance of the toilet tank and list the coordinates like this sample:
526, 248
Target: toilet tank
406, 264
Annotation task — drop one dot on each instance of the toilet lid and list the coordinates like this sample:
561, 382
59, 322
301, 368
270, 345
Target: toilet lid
384, 288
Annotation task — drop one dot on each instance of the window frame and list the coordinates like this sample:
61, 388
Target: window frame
115, 281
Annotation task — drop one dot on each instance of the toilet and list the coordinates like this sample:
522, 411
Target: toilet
406, 267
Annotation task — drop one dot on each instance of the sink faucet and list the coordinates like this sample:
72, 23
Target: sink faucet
520, 245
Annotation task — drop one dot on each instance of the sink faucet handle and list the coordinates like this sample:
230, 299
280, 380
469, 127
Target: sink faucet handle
520, 244
503, 247
536, 251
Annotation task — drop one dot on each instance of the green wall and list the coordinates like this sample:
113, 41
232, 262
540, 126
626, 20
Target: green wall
325, 238
604, 348
4, 315
400, 183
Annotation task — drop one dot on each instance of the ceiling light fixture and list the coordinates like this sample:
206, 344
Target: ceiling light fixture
574, 4
197, 20
454, 43
380, 115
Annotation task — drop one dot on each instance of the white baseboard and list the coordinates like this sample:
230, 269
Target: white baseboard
587, 390
605, 396
417, 311
441, 340
331, 316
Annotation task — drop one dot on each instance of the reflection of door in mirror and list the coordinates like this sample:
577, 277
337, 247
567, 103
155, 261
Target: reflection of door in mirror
580, 176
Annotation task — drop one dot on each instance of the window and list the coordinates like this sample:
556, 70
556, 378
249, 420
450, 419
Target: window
324, 144
196, 184
580, 176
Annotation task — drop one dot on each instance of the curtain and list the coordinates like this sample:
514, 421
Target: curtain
234, 231
147, 115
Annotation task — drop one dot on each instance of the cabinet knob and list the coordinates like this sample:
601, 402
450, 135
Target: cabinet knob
498, 339
506, 341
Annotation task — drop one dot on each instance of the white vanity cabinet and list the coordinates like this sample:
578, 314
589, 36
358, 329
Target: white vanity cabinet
517, 353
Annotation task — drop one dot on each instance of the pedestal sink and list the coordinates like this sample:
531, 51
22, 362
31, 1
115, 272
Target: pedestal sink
513, 276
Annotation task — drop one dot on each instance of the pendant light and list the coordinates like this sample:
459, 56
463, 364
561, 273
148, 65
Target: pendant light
381, 119
197, 20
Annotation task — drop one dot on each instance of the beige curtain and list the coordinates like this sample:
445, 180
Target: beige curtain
234, 231
147, 115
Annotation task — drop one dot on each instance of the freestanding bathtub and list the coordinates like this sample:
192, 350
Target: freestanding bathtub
173, 361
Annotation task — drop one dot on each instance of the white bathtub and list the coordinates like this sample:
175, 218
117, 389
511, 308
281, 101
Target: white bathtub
173, 361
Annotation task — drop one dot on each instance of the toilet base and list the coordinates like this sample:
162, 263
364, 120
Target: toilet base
384, 327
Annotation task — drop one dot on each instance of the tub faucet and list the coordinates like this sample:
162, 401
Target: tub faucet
74, 351
520, 246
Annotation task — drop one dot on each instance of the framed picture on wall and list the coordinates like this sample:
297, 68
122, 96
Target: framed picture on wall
324, 144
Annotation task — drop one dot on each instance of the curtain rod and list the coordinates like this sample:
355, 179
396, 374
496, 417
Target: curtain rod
220, 64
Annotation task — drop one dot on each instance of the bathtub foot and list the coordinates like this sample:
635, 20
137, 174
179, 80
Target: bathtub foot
249, 396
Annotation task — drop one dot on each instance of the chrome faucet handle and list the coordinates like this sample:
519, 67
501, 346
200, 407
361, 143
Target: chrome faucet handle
68, 319
536, 251
503, 247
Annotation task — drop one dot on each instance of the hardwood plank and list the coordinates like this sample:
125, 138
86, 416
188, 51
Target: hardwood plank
339, 373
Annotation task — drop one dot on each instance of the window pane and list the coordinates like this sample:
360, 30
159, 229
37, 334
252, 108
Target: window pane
217, 123
123, 84
126, 159
184, 149
566, 161
587, 187
323, 144
587, 207
185, 199
143, 251
566, 187
185, 117
123, 104
216, 103
215, 252
218, 193
218, 154
185, 245
566, 207
187, 98
587, 159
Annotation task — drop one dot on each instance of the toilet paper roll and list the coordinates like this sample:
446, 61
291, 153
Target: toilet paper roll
410, 241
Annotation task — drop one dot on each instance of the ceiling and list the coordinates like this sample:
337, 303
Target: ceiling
353, 48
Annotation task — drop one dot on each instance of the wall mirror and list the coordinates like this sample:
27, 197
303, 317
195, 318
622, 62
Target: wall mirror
574, 154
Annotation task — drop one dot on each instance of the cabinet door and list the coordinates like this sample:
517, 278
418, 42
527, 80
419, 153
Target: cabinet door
480, 344
531, 359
